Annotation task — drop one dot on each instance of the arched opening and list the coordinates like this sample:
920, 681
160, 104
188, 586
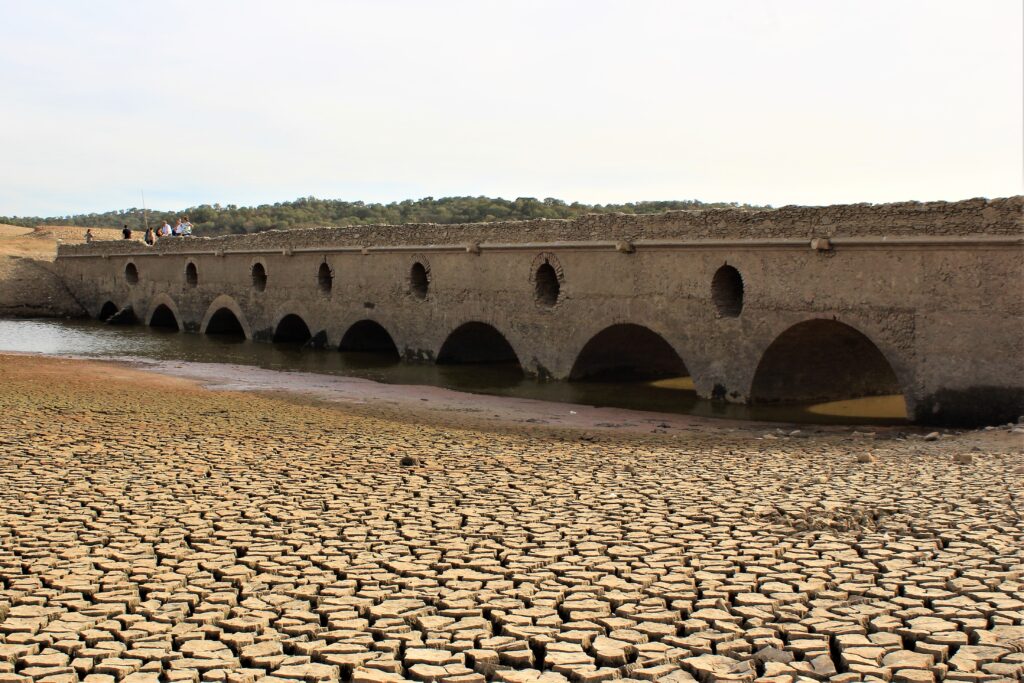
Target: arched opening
292, 330
727, 292
367, 336
131, 274
225, 323
627, 353
477, 343
325, 278
259, 277
108, 309
546, 285
419, 281
191, 275
164, 319
822, 360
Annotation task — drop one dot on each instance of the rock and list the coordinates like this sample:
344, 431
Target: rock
866, 458
931, 436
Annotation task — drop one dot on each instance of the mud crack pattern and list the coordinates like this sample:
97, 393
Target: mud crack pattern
151, 531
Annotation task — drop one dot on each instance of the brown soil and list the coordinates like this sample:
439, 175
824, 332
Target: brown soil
151, 530
28, 285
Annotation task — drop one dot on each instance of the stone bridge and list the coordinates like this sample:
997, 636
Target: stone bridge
791, 304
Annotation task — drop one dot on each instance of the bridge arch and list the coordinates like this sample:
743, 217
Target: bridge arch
163, 312
225, 316
291, 329
368, 336
627, 352
477, 343
289, 313
108, 309
822, 359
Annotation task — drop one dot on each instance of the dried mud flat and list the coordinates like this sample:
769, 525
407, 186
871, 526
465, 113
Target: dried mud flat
151, 530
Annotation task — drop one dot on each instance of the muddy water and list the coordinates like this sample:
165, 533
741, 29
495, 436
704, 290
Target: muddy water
675, 395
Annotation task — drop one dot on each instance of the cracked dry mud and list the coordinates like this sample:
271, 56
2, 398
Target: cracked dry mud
153, 531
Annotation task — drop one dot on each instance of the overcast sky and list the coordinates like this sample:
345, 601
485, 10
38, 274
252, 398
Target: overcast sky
773, 101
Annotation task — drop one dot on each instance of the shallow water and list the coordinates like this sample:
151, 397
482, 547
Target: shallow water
674, 395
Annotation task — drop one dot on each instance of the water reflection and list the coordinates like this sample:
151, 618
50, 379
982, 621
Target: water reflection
673, 395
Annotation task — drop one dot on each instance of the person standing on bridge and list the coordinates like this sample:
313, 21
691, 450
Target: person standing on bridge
150, 237
88, 236
127, 232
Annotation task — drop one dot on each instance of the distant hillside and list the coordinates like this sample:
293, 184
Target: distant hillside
310, 211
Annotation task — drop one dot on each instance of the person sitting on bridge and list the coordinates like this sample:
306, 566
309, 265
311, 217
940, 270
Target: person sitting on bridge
88, 236
165, 230
150, 237
127, 232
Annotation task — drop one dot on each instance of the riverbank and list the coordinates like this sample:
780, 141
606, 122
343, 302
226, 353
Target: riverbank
151, 529
29, 286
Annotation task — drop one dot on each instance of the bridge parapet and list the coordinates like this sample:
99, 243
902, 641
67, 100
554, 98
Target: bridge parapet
969, 218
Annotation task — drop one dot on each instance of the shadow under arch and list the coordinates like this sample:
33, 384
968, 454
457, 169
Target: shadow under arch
368, 336
225, 317
627, 352
477, 343
822, 360
163, 318
292, 329
163, 313
107, 310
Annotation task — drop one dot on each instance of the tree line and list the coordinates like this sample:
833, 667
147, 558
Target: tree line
210, 220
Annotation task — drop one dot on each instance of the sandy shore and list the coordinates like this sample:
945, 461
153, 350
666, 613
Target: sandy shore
153, 531
436, 405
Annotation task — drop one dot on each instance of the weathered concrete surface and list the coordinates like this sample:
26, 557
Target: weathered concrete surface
152, 532
918, 298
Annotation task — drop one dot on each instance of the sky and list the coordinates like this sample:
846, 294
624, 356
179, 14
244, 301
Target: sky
759, 101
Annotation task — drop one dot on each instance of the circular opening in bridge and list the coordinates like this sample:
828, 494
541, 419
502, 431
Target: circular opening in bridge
325, 278
627, 353
131, 274
163, 318
727, 291
419, 281
546, 285
823, 361
108, 309
191, 275
367, 336
292, 330
259, 277
477, 343
224, 323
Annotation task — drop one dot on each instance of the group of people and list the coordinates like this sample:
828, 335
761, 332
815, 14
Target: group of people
183, 228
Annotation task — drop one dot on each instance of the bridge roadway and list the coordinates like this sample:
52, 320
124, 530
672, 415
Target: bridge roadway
783, 305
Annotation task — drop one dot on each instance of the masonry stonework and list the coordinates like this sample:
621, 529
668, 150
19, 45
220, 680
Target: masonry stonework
923, 298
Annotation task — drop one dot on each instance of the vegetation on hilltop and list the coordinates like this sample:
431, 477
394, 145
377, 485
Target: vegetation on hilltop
310, 211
